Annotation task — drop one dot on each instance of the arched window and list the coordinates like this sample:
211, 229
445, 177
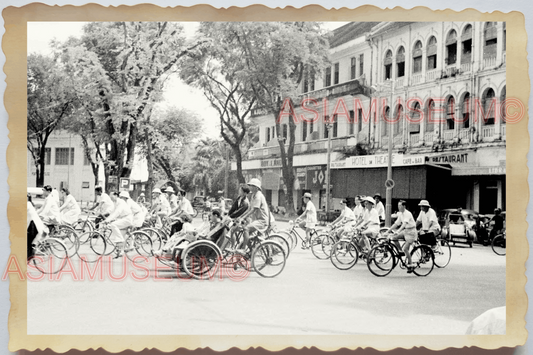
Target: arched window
385, 125
430, 116
466, 40
450, 113
417, 57
400, 63
451, 48
431, 53
488, 111
465, 110
388, 65
398, 118
490, 40
414, 122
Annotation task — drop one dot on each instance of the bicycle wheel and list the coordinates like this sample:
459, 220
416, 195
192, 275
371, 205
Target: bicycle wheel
50, 256
344, 255
499, 244
155, 237
138, 243
68, 236
327, 244
82, 226
268, 258
316, 246
443, 253
381, 260
289, 237
424, 260
201, 259
282, 241
99, 244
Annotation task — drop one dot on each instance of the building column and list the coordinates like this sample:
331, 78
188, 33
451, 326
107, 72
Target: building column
499, 43
475, 201
499, 199
458, 116
424, 63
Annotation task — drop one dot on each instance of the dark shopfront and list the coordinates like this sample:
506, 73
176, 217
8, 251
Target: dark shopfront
412, 184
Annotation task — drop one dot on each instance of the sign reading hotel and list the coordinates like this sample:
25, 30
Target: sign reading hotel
270, 163
378, 161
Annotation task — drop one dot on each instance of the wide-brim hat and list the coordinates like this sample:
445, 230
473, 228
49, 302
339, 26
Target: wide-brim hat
169, 189
369, 199
308, 195
424, 203
255, 182
124, 194
156, 191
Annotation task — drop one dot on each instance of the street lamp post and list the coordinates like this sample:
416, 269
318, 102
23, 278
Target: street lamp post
328, 169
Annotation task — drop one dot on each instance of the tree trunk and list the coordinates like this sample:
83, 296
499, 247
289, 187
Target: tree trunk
238, 160
39, 173
149, 161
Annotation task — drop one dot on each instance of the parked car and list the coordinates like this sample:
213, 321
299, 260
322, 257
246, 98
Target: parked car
36, 194
459, 226
198, 202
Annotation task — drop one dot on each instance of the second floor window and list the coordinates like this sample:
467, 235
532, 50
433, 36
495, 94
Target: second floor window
64, 156
451, 48
352, 68
336, 77
432, 53
267, 135
417, 58
466, 44
361, 64
335, 126
450, 114
400, 63
491, 41
352, 122
304, 130
388, 65
327, 81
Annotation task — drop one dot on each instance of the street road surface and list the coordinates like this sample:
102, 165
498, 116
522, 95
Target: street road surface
310, 296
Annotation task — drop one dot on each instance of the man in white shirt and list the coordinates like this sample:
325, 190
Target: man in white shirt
136, 210
369, 224
172, 198
379, 207
184, 207
428, 223
104, 203
160, 206
359, 209
119, 221
406, 230
258, 211
310, 219
49, 211
346, 218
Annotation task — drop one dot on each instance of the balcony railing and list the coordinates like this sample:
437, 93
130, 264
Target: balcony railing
352, 87
428, 137
432, 75
466, 67
489, 62
398, 140
487, 131
417, 78
415, 138
464, 134
448, 135
384, 141
399, 83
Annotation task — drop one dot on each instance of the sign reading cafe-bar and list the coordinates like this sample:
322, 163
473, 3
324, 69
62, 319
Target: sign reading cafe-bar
378, 161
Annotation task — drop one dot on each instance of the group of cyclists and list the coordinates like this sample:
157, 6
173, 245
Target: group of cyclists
367, 217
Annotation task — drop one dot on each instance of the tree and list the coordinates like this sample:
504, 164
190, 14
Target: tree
275, 57
171, 130
48, 105
207, 165
136, 56
217, 72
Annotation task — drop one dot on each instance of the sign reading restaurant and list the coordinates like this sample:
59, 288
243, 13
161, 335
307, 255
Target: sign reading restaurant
378, 161
450, 158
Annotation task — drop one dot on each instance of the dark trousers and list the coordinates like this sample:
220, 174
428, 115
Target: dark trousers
176, 227
427, 238
31, 233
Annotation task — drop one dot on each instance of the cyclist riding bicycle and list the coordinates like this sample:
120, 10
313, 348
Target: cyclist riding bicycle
428, 224
119, 221
104, 204
239, 207
369, 225
379, 207
358, 209
36, 230
49, 211
160, 207
346, 220
309, 214
70, 210
405, 226
136, 210
183, 208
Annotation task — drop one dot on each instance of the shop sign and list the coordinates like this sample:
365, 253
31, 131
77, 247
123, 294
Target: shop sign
316, 177
378, 161
270, 163
301, 177
450, 158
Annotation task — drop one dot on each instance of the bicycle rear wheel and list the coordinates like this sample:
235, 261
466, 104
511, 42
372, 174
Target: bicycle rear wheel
50, 257
82, 226
68, 236
138, 243
99, 244
201, 260
316, 246
424, 260
282, 241
499, 244
268, 258
344, 255
443, 253
381, 260
327, 244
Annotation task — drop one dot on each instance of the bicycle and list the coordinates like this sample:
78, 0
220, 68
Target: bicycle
442, 251
50, 256
346, 251
499, 244
384, 257
291, 235
269, 235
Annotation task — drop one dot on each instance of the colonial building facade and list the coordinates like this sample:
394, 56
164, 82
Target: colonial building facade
445, 82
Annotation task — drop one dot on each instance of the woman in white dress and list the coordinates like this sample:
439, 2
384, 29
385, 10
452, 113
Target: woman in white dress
70, 210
